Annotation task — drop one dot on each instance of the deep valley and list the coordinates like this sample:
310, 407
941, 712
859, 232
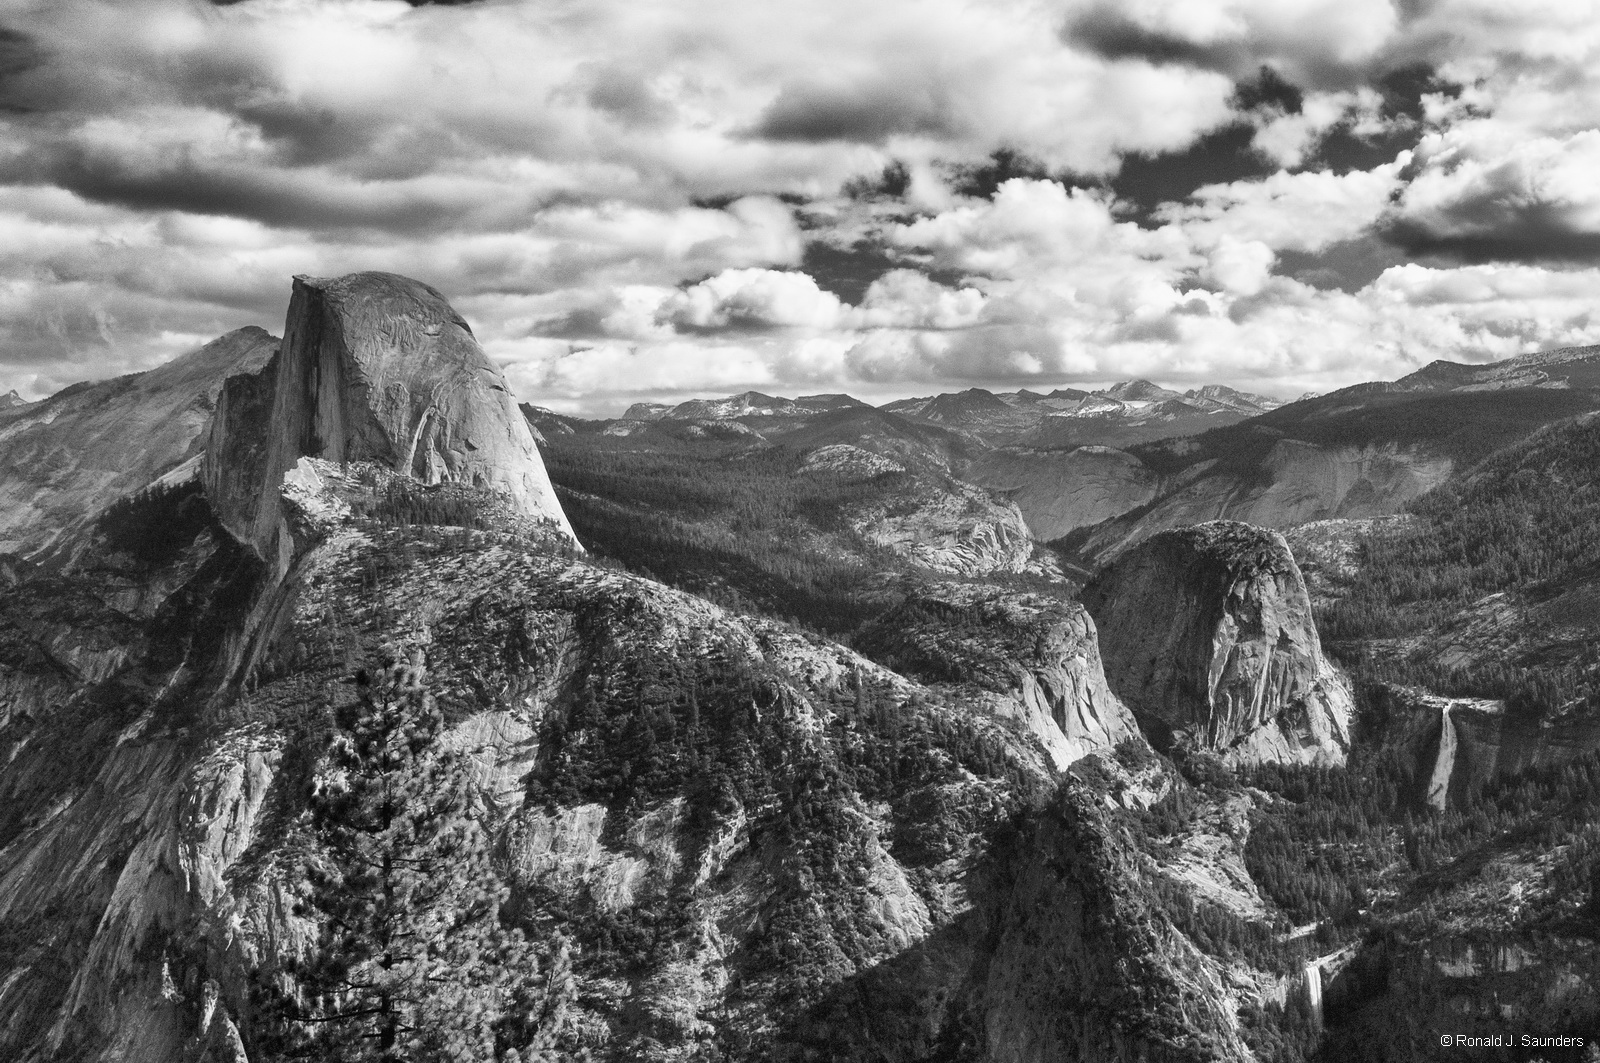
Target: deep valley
351, 710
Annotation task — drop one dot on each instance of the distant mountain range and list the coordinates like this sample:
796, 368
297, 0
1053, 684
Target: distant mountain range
1129, 412
1131, 402
1111, 466
1067, 417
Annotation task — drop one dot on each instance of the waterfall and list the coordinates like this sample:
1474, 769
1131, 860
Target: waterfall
1314, 990
1439, 785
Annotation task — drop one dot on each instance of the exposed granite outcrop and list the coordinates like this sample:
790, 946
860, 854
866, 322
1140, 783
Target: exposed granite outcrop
375, 368
1460, 745
1207, 634
948, 527
1036, 658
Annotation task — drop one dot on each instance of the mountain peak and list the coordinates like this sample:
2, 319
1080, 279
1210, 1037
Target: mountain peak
1139, 390
378, 368
1228, 398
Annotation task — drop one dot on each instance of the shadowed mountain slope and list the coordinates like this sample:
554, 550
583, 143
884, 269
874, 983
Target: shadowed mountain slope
66, 458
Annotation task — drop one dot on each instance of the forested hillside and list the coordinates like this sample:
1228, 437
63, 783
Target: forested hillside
769, 529
734, 523
1522, 522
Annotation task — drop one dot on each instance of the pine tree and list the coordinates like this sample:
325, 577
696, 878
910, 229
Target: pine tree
412, 961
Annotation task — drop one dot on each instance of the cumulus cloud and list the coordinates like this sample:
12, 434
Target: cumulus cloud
753, 298
905, 298
673, 197
1534, 199
1304, 211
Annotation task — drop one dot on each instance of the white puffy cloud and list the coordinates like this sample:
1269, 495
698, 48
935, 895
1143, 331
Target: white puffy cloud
609, 192
1536, 197
1304, 211
754, 298
904, 298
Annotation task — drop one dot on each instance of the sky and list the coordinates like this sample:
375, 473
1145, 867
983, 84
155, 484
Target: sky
655, 199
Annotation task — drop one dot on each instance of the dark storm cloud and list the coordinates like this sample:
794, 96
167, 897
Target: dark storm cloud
1108, 32
51, 78
1486, 202
1497, 232
1346, 266
863, 114
19, 53
305, 135
624, 96
584, 323
236, 190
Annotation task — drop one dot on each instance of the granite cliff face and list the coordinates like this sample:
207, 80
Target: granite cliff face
374, 368
1207, 634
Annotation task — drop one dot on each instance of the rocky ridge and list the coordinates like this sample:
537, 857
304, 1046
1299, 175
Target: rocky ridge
66, 458
1295, 482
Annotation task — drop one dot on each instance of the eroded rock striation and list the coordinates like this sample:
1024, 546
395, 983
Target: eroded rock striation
1207, 634
376, 368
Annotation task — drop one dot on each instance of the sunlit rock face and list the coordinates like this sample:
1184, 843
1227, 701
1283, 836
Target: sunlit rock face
376, 368
1207, 634
950, 528
1030, 657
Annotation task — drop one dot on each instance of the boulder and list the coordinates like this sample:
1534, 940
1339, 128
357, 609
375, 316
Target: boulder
1207, 634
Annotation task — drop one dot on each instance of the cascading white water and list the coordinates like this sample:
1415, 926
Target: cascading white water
1439, 784
1314, 990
